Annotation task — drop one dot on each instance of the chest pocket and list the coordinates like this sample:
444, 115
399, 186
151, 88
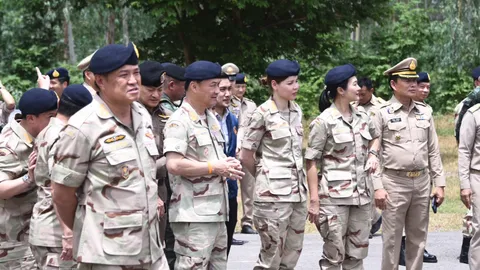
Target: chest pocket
208, 198
396, 132
342, 134
120, 156
422, 129
280, 133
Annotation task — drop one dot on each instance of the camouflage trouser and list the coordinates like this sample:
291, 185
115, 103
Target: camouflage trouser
160, 264
200, 245
467, 229
49, 258
26, 261
281, 226
345, 230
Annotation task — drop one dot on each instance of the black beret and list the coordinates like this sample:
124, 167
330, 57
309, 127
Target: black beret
202, 70
283, 68
36, 101
58, 73
476, 73
339, 74
76, 94
151, 73
174, 71
423, 77
113, 57
240, 78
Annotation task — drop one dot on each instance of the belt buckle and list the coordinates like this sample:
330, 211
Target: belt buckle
414, 174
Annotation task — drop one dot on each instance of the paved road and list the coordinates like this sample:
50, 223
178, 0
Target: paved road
446, 245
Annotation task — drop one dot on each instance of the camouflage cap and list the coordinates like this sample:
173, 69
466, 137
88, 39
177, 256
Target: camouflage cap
404, 69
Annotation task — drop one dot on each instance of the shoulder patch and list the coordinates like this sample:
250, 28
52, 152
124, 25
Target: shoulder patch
474, 108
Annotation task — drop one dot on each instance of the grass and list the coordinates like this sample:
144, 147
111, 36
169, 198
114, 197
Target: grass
450, 214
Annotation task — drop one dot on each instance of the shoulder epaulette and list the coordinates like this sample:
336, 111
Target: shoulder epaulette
420, 103
474, 107
387, 103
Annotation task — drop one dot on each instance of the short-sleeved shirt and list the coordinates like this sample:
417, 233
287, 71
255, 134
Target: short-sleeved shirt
45, 229
242, 109
4, 113
276, 137
116, 220
202, 198
469, 145
408, 140
16, 144
340, 148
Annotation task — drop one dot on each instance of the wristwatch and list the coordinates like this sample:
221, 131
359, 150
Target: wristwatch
373, 152
26, 179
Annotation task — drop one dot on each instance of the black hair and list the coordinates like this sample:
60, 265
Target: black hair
187, 84
392, 78
64, 79
67, 107
330, 92
365, 81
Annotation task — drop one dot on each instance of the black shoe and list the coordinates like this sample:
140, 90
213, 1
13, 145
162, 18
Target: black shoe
247, 229
236, 242
376, 226
464, 251
429, 258
401, 260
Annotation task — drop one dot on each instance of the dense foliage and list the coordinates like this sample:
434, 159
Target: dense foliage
371, 34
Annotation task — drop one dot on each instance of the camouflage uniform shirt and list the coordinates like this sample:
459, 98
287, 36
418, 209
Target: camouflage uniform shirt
116, 221
16, 144
203, 198
340, 149
277, 139
242, 109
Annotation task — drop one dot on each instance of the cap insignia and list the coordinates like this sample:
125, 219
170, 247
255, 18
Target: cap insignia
245, 79
412, 65
55, 74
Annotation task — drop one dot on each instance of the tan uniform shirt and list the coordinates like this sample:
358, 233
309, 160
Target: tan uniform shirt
409, 141
371, 106
16, 144
340, 149
242, 109
277, 139
469, 146
4, 113
203, 198
45, 229
116, 220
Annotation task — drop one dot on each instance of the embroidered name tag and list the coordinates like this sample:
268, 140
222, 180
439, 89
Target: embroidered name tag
395, 120
115, 139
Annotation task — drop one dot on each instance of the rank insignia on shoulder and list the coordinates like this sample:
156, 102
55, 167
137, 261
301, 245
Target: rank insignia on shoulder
395, 120
115, 139
149, 135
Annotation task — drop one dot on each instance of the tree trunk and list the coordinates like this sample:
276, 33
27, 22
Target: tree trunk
65, 38
110, 36
72, 57
126, 37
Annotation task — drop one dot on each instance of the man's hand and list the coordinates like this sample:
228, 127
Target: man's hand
229, 168
381, 198
313, 210
440, 194
160, 208
372, 163
466, 197
32, 163
67, 248
43, 81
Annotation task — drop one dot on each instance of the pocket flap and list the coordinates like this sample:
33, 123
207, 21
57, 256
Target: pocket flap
114, 142
120, 156
343, 137
210, 189
337, 175
280, 173
422, 123
366, 134
280, 133
203, 139
397, 126
118, 220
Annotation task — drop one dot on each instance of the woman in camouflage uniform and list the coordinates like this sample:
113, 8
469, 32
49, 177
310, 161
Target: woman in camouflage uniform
274, 137
340, 190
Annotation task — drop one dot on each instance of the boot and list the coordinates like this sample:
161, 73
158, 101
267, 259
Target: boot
401, 260
464, 251
376, 227
429, 258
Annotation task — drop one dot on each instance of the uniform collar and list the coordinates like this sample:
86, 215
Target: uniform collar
22, 133
104, 112
396, 105
90, 89
272, 107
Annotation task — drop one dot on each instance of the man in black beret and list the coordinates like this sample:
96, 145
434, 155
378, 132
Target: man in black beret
108, 149
17, 186
47, 243
173, 87
59, 80
198, 167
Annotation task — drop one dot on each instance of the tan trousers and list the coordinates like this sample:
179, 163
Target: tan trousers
281, 226
474, 252
345, 230
375, 213
408, 207
160, 264
247, 186
200, 245
49, 258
